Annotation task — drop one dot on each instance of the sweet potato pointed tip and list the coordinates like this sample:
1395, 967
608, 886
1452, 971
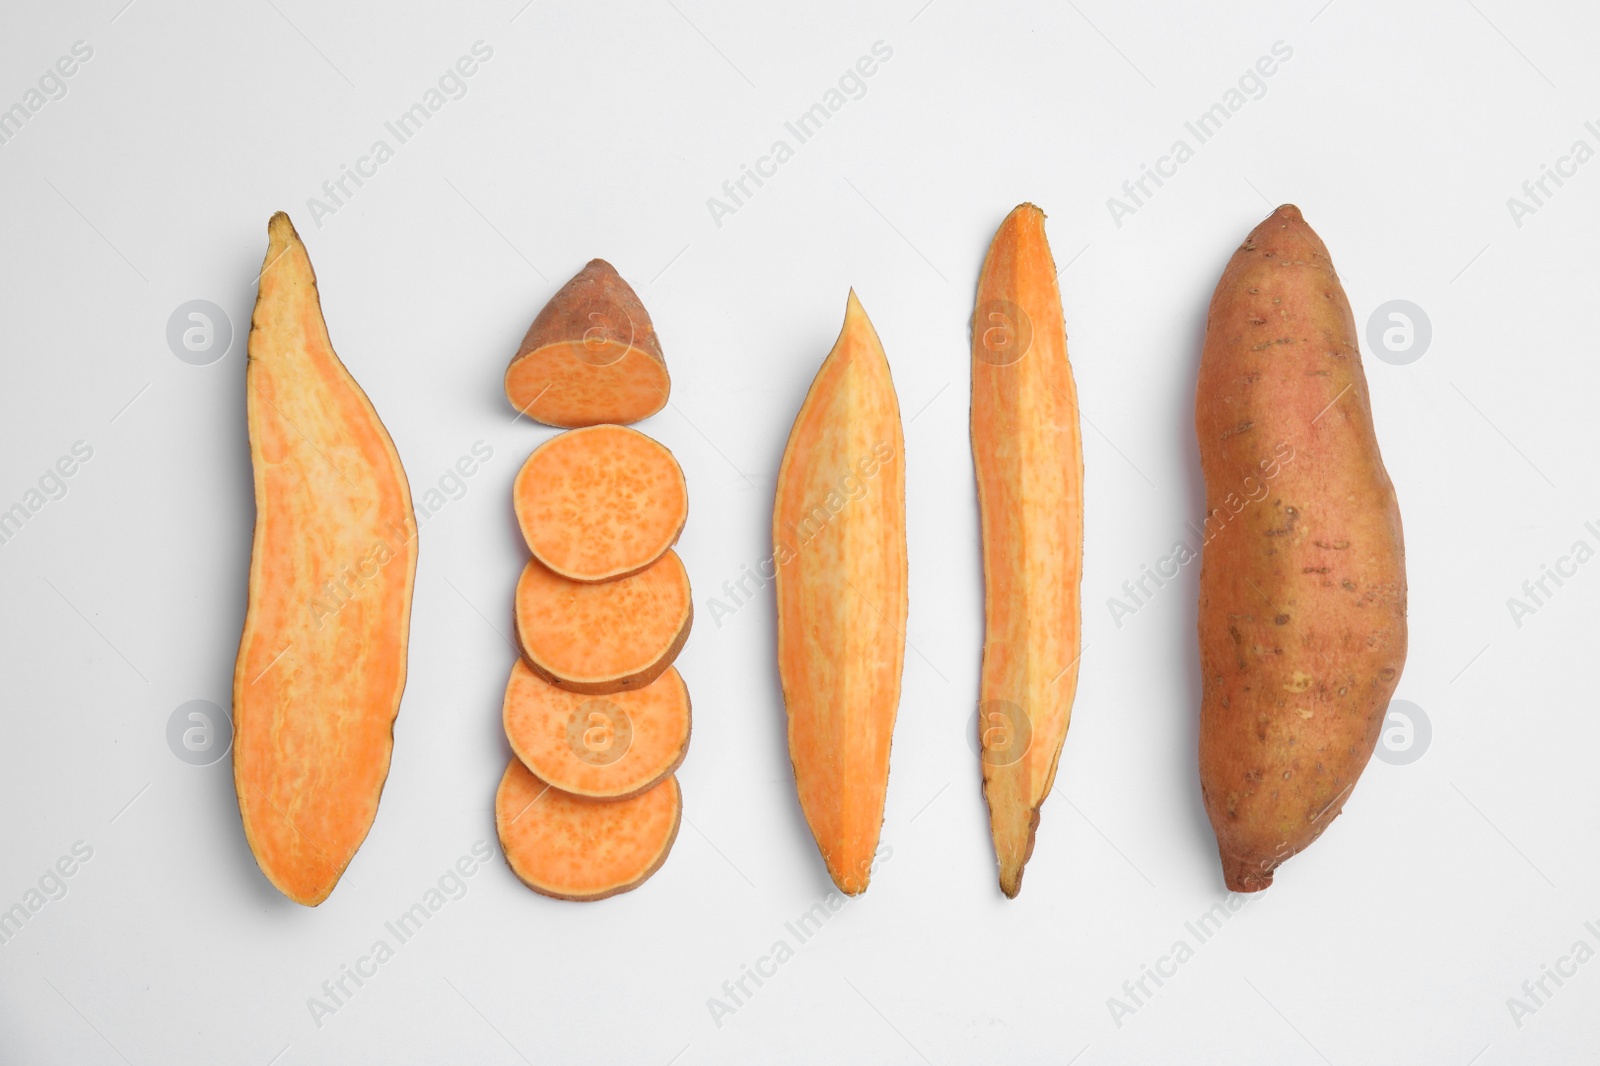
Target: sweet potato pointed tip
853, 309
848, 883
1027, 211
1245, 874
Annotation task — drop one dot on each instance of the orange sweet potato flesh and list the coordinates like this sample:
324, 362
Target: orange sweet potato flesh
602, 747
322, 660
1028, 452
839, 533
591, 356
571, 847
605, 636
1302, 581
600, 503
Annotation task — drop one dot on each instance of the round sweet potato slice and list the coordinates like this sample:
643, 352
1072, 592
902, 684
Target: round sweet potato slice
572, 847
600, 503
600, 747
603, 637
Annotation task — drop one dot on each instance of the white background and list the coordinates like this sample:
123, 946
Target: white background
601, 130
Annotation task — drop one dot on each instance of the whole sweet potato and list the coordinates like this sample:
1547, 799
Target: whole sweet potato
1302, 580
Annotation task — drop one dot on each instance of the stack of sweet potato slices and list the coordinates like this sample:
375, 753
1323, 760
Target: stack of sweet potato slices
597, 717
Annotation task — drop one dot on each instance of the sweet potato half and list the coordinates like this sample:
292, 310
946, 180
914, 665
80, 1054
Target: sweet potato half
1302, 580
603, 636
839, 534
1028, 452
602, 747
600, 503
322, 660
571, 847
591, 356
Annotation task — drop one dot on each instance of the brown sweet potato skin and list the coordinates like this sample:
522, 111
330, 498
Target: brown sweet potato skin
592, 356
1302, 582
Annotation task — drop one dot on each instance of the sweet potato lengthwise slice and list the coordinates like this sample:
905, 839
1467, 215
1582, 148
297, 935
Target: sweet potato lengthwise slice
1029, 458
592, 356
839, 535
322, 661
575, 848
604, 636
600, 503
603, 747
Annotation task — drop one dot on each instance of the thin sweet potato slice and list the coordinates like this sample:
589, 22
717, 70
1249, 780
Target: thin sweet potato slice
322, 659
602, 747
571, 847
600, 503
1302, 619
839, 533
591, 356
605, 636
1027, 449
